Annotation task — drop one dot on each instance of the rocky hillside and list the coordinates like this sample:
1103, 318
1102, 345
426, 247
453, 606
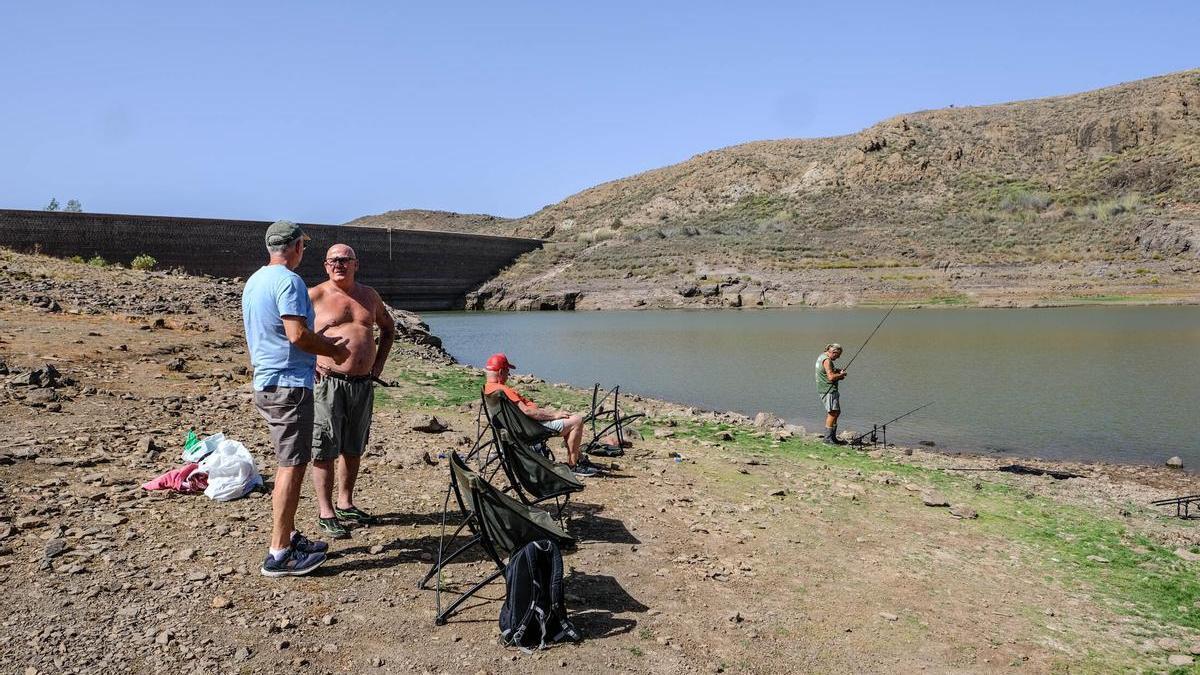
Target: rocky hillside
1052, 200
422, 219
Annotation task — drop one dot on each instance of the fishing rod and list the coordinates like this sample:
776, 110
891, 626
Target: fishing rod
864, 345
878, 432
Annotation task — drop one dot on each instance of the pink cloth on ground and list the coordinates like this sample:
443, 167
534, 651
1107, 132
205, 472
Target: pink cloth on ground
183, 479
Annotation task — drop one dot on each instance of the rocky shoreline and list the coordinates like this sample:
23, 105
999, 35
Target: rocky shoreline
939, 284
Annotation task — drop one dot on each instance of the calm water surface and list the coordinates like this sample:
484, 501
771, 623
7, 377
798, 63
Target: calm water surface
1111, 383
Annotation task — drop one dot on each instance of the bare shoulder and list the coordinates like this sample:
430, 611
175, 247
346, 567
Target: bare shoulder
317, 291
369, 296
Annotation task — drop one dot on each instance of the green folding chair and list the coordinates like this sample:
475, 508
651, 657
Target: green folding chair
498, 524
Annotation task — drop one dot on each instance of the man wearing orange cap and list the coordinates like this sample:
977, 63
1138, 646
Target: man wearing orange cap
569, 426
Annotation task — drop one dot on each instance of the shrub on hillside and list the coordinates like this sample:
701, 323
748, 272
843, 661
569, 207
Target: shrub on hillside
97, 261
1024, 200
143, 262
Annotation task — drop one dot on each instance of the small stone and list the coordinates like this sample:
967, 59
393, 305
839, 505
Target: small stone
329, 619
663, 433
1168, 644
376, 662
429, 424
197, 576
1175, 462
55, 547
242, 654
221, 602
163, 637
1180, 660
933, 499
1187, 555
185, 554
1098, 559
376, 549
888, 616
964, 512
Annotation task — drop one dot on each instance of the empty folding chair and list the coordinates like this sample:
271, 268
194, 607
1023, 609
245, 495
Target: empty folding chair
499, 524
606, 419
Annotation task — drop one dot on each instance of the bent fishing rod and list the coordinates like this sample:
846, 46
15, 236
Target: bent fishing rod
864, 345
881, 429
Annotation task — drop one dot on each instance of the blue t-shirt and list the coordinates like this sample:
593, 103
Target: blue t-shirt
271, 293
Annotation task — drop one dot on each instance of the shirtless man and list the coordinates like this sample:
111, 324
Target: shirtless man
344, 394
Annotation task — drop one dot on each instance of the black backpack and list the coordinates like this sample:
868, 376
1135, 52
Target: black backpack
534, 614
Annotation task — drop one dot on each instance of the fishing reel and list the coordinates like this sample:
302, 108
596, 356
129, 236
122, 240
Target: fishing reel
876, 437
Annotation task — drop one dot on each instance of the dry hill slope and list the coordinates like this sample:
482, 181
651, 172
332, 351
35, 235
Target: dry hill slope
1079, 197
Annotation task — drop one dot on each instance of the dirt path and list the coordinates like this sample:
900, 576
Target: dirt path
750, 552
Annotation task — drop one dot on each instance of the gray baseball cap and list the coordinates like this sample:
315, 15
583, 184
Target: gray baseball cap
283, 232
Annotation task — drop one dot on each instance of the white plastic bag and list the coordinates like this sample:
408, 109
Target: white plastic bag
231, 471
203, 449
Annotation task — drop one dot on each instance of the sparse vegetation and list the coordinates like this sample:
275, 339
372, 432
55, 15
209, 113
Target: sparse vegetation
97, 261
143, 262
1013, 185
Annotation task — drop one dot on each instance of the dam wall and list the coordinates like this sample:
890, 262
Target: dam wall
411, 269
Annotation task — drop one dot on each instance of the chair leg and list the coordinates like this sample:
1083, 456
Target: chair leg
441, 618
437, 566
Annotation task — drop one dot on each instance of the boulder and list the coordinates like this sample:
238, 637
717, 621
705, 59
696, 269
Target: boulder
767, 420
410, 327
1169, 237
1175, 462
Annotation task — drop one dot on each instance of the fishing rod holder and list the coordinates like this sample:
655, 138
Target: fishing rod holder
876, 437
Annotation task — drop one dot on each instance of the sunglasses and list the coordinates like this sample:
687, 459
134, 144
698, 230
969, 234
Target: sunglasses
339, 261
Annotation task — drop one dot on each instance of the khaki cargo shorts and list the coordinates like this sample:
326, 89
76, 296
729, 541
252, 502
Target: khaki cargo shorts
342, 423
289, 415
832, 402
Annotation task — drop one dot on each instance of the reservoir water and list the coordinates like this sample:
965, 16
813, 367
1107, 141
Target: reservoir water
1118, 384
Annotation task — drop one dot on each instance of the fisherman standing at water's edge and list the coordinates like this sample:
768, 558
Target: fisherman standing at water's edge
827, 387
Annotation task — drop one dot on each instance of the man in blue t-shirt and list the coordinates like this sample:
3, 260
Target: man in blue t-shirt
278, 318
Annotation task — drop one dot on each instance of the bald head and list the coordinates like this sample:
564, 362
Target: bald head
341, 264
340, 251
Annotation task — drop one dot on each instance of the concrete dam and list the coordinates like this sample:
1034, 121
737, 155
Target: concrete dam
411, 269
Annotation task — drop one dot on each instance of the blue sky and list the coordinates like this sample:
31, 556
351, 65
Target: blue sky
323, 111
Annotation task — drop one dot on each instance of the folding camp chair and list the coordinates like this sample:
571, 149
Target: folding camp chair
605, 420
533, 474
499, 524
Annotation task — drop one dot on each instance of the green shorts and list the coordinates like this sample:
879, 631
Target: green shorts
342, 416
